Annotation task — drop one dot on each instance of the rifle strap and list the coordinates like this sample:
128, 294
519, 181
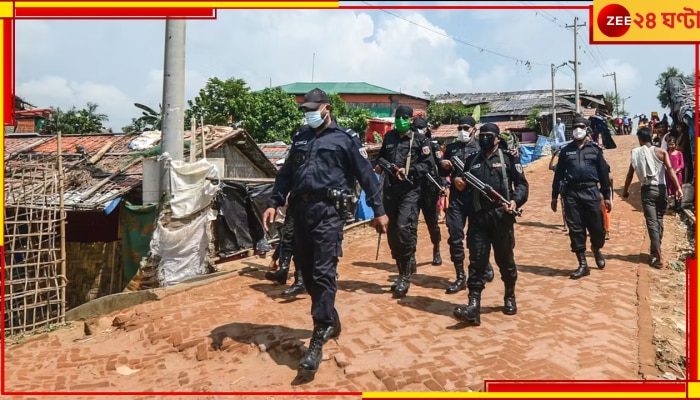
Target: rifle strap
504, 175
408, 156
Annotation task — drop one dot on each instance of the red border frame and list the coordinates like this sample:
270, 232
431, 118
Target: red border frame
490, 386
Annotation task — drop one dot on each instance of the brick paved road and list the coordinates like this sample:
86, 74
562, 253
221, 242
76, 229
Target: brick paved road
564, 329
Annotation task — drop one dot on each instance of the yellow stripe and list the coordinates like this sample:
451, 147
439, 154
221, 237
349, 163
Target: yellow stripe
693, 390
184, 4
6, 9
527, 395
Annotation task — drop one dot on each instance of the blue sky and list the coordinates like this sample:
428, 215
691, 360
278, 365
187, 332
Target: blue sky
117, 63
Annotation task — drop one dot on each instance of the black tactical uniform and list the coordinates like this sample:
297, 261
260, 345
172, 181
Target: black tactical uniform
321, 167
401, 196
582, 166
283, 253
489, 224
430, 192
456, 213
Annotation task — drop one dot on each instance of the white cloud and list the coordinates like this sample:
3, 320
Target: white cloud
31, 40
59, 92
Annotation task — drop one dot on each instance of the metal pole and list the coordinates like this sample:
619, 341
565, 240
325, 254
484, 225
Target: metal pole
576, 63
313, 65
554, 106
617, 97
62, 227
173, 96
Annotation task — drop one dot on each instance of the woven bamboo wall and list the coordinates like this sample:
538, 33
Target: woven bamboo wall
94, 270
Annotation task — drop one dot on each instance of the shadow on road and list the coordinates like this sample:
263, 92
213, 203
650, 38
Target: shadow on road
439, 307
274, 291
377, 265
284, 345
538, 224
367, 287
635, 199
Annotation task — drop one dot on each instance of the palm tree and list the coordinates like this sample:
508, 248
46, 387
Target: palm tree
150, 118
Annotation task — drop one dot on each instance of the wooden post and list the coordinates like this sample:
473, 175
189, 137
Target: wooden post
62, 214
193, 140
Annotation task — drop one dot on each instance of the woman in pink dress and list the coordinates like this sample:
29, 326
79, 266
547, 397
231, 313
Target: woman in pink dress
677, 164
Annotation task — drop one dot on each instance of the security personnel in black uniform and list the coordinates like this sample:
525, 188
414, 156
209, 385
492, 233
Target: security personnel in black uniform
405, 158
430, 193
284, 253
491, 224
325, 161
456, 213
583, 167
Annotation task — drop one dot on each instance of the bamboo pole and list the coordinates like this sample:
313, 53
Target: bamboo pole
62, 213
193, 140
204, 144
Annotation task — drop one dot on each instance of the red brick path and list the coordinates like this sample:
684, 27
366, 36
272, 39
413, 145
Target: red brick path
564, 329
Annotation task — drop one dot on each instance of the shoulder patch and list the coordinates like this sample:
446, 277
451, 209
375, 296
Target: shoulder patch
363, 152
426, 150
351, 133
519, 168
438, 154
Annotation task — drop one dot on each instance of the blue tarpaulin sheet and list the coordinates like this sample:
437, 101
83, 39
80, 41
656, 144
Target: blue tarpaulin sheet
364, 212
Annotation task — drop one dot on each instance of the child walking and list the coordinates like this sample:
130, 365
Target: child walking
677, 163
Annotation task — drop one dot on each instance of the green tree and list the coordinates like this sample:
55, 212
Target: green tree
449, 113
150, 120
614, 101
354, 118
661, 84
272, 115
533, 119
220, 100
75, 122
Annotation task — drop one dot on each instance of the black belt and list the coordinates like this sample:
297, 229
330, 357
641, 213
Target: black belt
583, 185
313, 197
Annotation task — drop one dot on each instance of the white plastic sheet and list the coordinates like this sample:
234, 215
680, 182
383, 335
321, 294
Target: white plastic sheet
145, 141
182, 250
191, 190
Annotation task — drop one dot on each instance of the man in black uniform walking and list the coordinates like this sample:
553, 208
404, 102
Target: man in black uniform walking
491, 224
583, 167
456, 213
324, 163
405, 158
430, 193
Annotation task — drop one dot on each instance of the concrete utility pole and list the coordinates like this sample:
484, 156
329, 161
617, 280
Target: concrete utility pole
575, 62
617, 99
554, 102
173, 97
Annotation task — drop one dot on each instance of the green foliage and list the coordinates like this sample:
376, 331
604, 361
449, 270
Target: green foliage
449, 113
661, 84
74, 121
350, 117
533, 118
219, 100
272, 115
150, 120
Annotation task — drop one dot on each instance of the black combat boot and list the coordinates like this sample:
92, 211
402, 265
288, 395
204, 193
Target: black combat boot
471, 313
332, 332
412, 265
599, 259
280, 276
404, 281
399, 266
582, 266
509, 306
437, 259
489, 273
461, 282
298, 285
312, 360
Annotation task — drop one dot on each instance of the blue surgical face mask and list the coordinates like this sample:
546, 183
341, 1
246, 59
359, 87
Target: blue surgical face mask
313, 118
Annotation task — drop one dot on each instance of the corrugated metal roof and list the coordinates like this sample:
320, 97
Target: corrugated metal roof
336, 87
450, 130
275, 152
519, 103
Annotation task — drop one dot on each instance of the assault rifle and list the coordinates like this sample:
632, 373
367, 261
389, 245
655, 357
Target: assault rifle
393, 169
485, 190
437, 185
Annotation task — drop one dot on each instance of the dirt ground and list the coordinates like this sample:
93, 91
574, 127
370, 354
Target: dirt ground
668, 300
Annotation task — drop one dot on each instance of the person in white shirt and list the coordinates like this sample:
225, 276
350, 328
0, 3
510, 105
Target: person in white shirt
560, 132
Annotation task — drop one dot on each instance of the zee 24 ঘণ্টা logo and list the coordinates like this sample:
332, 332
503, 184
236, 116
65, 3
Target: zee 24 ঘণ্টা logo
614, 20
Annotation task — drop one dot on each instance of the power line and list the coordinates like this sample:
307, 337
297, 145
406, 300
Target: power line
527, 63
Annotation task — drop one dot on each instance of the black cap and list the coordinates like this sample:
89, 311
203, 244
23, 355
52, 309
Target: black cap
489, 128
420, 123
314, 99
404, 111
467, 120
580, 121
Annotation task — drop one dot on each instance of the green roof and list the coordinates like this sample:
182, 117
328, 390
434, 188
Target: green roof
336, 87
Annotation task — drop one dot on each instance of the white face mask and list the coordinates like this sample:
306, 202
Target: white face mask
464, 136
579, 133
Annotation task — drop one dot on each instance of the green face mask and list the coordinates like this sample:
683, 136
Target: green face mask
402, 125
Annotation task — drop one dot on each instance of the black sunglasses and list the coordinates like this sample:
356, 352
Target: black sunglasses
464, 127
